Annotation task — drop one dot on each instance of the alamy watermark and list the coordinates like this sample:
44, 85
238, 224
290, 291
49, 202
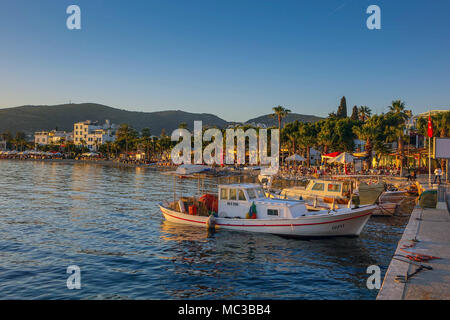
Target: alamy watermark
73, 22
214, 152
74, 280
374, 280
374, 20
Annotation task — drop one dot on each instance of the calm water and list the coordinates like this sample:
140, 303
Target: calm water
106, 221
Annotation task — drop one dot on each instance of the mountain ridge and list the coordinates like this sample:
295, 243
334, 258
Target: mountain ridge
32, 118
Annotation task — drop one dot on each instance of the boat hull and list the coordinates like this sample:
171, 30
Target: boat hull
324, 225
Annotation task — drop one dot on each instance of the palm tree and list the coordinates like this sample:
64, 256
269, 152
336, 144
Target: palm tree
279, 112
368, 133
364, 113
326, 133
290, 134
400, 114
308, 139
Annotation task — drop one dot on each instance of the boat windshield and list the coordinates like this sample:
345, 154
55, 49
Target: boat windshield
334, 187
259, 192
251, 193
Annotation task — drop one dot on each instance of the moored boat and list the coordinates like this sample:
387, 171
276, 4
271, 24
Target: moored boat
244, 207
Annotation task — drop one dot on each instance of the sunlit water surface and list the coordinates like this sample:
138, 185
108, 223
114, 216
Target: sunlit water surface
106, 221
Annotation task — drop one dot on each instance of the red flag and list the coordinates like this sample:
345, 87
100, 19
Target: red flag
430, 127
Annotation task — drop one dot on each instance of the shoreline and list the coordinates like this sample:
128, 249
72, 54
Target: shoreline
111, 163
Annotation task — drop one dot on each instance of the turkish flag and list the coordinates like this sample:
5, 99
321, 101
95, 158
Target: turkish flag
430, 127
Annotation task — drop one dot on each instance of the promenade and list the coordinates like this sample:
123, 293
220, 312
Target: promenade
431, 229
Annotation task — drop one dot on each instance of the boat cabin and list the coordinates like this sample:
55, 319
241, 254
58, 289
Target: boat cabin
235, 201
320, 189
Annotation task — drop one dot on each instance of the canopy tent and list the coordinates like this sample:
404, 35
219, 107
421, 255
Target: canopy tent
360, 154
331, 155
343, 158
295, 157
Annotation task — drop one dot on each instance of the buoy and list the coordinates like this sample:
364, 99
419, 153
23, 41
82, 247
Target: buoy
211, 222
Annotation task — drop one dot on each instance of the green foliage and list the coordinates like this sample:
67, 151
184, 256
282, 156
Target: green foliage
354, 115
342, 109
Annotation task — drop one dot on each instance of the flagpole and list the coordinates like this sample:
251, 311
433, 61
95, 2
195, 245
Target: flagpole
429, 154
429, 161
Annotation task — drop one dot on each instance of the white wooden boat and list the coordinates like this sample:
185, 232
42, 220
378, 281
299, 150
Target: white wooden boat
382, 209
328, 190
275, 216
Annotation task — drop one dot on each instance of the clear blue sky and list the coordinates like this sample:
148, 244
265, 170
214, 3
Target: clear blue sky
236, 59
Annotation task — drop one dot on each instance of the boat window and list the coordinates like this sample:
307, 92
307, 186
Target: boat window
346, 187
241, 195
251, 193
272, 212
334, 187
318, 187
259, 193
232, 194
224, 194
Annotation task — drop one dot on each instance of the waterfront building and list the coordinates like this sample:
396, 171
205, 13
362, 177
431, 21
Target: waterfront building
92, 135
52, 137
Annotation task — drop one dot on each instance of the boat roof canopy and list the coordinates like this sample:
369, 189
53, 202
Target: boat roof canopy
240, 185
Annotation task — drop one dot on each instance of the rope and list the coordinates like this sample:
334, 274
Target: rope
418, 257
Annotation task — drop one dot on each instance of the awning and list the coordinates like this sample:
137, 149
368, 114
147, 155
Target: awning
343, 158
295, 157
331, 155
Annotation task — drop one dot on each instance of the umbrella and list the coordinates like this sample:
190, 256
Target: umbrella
343, 158
295, 157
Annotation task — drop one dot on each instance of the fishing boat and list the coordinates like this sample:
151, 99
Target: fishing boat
245, 207
330, 191
382, 208
337, 194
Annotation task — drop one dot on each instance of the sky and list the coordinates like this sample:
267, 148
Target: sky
236, 59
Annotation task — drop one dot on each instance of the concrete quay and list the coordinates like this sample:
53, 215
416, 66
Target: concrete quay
431, 227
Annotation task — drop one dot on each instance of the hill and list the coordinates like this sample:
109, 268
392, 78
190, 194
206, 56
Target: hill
29, 119
291, 117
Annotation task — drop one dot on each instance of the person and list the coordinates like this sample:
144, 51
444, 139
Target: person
412, 175
437, 174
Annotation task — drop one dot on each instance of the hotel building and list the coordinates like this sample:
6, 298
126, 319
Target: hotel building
92, 135
52, 137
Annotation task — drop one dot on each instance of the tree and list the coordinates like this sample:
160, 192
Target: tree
326, 137
125, 136
368, 132
345, 135
146, 141
290, 135
145, 133
342, 109
19, 140
307, 139
396, 125
354, 115
364, 113
279, 112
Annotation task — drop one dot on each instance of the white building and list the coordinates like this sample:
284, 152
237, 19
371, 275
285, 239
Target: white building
41, 138
49, 137
92, 135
